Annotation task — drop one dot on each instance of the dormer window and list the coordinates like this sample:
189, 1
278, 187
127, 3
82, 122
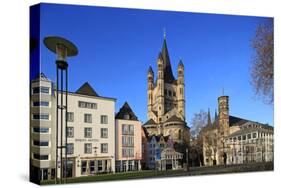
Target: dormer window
127, 116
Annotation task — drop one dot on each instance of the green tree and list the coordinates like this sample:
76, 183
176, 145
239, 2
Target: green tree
262, 63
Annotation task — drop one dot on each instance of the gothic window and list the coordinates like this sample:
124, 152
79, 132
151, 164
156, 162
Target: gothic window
180, 134
174, 93
170, 93
165, 91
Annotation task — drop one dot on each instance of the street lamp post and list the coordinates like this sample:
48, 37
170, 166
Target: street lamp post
63, 49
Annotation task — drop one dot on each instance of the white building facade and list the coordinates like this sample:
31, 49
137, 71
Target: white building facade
89, 138
253, 143
42, 130
90, 133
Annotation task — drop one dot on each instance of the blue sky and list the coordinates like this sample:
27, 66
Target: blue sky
116, 47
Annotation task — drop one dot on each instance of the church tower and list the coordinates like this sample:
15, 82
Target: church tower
160, 85
150, 87
180, 90
223, 116
166, 100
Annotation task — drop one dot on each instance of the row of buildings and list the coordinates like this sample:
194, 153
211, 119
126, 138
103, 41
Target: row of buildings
102, 141
99, 140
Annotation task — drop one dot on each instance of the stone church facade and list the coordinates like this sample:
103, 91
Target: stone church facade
228, 136
166, 101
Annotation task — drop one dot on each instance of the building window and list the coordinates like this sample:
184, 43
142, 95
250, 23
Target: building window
88, 132
127, 116
70, 116
70, 148
130, 141
41, 116
124, 141
40, 157
239, 138
88, 148
103, 119
249, 136
170, 93
82, 104
40, 130
83, 167
174, 93
104, 133
104, 148
70, 132
124, 129
40, 143
41, 103
41, 89
92, 167
131, 129
165, 92
244, 137
254, 135
99, 165
88, 118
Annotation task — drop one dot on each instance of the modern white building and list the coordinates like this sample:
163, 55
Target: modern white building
90, 133
42, 130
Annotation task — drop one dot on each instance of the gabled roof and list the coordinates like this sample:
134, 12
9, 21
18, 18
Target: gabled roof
249, 130
150, 122
237, 121
86, 89
174, 118
124, 111
168, 73
40, 76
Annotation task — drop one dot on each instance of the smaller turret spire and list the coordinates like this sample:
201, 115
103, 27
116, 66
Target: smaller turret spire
150, 69
209, 118
216, 122
181, 63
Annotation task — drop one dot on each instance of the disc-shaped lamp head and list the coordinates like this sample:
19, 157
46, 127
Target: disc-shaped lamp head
60, 46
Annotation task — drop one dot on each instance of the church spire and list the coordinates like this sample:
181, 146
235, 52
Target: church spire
209, 118
168, 73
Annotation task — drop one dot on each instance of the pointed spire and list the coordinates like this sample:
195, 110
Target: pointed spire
216, 118
168, 73
150, 69
160, 56
216, 114
181, 63
164, 32
209, 118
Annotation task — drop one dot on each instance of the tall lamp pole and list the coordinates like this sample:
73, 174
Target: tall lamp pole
63, 49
